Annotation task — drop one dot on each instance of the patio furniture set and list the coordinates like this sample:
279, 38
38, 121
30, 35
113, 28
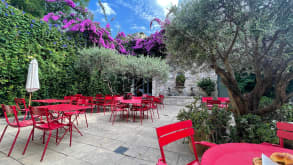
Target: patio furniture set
62, 117
223, 154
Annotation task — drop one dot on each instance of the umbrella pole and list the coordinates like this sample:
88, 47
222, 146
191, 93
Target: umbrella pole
30, 99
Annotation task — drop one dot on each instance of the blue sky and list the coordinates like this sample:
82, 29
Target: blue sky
131, 16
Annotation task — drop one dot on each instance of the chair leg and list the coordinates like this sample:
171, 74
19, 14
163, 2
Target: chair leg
158, 113
111, 116
3, 133
14, 141
114, 117
50, 133
86, 120
33, 134
57, 136
28, 140
44, 137
70, 129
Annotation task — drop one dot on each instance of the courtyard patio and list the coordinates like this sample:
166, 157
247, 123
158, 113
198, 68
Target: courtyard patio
102, 143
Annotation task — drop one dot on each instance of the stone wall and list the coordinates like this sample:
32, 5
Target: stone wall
190, 88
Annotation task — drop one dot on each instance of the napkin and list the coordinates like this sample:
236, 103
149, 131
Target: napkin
266, 160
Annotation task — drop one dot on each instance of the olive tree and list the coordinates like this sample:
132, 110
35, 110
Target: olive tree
254, 36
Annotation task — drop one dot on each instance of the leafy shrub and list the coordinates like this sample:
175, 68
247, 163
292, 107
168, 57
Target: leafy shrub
180, 79
207, 85
209, 125
252, 129
214, 125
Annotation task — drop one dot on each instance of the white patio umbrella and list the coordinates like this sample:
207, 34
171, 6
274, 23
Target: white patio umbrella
32, 81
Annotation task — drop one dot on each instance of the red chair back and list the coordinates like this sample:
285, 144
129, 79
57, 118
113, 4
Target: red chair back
78, 95
73, 99
20, 102
21, 106
41, 116
284, 131
67, 97
137, 97
224, 99
173, 132
205, 99
99, 95
8, 110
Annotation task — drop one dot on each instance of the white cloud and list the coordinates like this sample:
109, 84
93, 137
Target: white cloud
108, 9
140, 28
166, 4
145, 9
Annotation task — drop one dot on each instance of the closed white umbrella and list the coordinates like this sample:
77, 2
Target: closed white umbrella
32, 81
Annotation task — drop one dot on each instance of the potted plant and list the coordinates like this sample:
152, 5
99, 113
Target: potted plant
207, 85
180, 80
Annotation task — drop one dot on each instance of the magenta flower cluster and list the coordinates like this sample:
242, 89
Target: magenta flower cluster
78, 22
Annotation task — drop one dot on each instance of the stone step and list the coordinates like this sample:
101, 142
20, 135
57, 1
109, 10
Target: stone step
178, 100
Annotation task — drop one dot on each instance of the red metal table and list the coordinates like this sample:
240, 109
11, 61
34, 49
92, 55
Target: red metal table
131, 101
238, 153
50, 101
61, 108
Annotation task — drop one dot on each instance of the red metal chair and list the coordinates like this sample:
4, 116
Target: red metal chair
173, 132
99, 101
145, 106
162, 97
117, 107
211, 103
43, 120
107, 103
99, 95
21, 106
225, 101
15, 123
78, 95
205, 99
284, 131
81, 101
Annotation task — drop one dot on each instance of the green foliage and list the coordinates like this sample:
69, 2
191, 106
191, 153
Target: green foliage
246, 82
180, 79
209, 125
35, 7
239, 36
252, 129
38, 8
265, 101
108, 62
23, 37
216, 125
207, 85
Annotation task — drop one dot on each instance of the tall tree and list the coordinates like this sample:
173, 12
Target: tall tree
253, 36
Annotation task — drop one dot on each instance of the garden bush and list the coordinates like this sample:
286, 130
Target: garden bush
215, 125
209, 125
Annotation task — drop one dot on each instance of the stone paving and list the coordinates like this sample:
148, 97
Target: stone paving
136, 144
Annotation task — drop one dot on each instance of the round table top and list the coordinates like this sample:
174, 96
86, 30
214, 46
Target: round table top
238, 153
131, 101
